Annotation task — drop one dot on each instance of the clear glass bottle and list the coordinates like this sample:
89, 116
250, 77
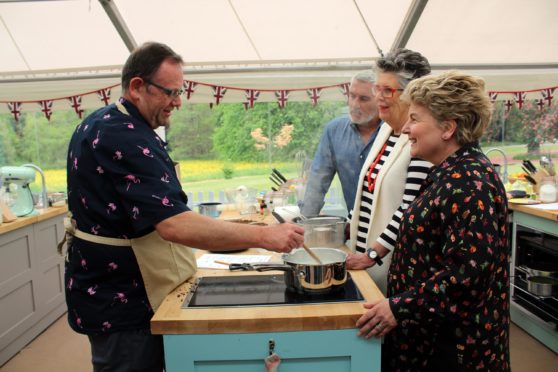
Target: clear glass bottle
547, 190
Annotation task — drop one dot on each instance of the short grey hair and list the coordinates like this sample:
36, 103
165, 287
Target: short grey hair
405, 63
367, 76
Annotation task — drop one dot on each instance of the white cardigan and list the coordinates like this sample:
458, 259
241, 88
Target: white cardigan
388, 195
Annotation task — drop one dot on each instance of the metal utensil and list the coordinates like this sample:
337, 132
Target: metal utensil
547, 165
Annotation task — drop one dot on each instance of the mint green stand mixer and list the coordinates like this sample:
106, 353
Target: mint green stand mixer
16, 192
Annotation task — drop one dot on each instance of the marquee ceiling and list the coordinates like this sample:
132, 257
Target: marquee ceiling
56, 49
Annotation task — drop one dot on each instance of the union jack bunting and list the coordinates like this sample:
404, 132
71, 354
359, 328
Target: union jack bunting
104, 95
492, 96
15, 109
75, 102
508, 104
344, 89
282, 98
218, 93
540, 103
189, 88
251, 98
314, 95
519, 98
548, 95
46, 108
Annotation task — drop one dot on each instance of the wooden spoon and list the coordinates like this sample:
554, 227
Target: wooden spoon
312, 254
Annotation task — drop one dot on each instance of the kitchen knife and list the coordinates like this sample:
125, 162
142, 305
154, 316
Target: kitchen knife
527, 171
530, 179
529, 165
274, 181
277, 179
279, 175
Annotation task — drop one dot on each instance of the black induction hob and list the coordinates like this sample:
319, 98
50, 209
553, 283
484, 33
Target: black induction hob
260, 290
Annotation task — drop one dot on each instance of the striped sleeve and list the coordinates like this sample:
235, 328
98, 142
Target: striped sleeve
416, 173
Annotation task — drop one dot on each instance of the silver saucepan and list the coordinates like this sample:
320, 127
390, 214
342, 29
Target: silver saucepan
544, 286
304, 275
542, 269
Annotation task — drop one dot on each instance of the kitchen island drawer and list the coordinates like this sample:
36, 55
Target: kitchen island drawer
310, 351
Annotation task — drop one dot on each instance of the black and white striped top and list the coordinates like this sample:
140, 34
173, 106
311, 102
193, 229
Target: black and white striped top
416, 173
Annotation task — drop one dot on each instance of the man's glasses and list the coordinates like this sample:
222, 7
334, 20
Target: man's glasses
387, 92
172, 93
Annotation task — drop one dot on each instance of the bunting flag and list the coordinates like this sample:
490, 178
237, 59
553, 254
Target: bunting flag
508, 104
75, 102
344, 89
15, 109
519, 98
251, 98
509, 98
314, 94
104, 95
189, 88
282, 98
540, 103
548, 95
46, 108
218, 93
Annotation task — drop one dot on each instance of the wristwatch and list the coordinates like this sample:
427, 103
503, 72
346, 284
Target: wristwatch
374, 256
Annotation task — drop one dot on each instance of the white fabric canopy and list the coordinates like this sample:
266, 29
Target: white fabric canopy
58, 49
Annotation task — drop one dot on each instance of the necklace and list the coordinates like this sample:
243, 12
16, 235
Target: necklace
372, 183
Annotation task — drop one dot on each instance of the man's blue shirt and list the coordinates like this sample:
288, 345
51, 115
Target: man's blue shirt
341, 151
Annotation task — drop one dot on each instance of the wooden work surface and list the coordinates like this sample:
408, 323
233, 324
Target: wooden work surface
170, 318
548, 214
44, 214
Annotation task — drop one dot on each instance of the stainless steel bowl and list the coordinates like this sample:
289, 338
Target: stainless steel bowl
211, 209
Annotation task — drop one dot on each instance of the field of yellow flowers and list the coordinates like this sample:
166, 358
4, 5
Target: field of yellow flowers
192, 171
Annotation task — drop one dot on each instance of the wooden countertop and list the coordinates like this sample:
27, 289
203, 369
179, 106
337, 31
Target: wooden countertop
548, 214
170, 318
44, 214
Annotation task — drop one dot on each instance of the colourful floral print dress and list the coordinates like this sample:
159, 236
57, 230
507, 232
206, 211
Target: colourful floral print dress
448, 283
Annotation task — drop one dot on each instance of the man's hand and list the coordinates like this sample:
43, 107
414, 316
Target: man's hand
283, 238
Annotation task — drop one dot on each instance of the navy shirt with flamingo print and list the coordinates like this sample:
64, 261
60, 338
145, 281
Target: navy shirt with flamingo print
121, 182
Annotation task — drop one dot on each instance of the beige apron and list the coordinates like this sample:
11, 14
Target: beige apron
163, 265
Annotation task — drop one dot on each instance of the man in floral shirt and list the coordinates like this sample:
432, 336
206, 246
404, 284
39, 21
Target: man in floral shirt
123, 191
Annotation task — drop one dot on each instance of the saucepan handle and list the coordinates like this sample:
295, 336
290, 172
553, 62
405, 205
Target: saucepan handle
271, 267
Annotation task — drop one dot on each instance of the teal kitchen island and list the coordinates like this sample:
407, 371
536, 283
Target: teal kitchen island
534, 241
317, 337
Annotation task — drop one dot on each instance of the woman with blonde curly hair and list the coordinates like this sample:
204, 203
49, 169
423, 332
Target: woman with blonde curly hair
448, 283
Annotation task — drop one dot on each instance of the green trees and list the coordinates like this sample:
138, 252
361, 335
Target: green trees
199, 132
36, 140
232, 139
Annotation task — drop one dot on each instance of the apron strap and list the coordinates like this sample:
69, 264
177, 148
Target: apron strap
72, 231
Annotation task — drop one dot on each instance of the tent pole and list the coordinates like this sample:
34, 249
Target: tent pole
409, 22
114, 14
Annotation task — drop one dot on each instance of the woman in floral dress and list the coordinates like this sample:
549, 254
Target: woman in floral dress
448, 283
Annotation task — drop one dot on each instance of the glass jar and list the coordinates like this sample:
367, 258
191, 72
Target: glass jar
547, 190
